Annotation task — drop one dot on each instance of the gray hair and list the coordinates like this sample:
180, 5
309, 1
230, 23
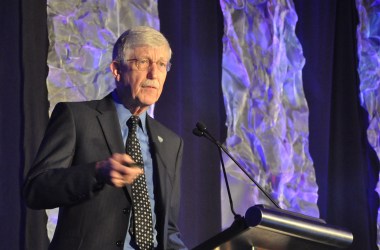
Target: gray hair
138, 36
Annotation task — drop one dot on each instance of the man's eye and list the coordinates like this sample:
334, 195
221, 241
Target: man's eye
143, 61
161, 64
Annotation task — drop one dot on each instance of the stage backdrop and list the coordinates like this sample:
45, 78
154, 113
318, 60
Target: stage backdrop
368, 36
345, 164
267, 113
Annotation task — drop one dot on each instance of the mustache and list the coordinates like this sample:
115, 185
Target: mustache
150, 83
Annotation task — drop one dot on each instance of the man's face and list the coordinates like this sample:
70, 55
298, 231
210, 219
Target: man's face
137, 87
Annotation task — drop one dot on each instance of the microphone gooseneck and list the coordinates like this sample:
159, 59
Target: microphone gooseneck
201, 130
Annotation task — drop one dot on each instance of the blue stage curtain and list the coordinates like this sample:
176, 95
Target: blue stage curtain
346, 166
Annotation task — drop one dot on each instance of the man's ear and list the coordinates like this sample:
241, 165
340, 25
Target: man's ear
115, 70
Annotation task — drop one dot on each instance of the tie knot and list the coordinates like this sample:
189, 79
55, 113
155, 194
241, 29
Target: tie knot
133, 122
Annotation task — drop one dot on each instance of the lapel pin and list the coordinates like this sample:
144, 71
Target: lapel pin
160, 139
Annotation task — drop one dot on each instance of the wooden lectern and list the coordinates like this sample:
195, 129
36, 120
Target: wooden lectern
268, 228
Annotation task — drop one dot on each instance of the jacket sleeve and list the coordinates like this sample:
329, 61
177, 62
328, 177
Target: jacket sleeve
52, 181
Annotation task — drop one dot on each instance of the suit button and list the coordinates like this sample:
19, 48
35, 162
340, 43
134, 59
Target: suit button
125, 210
119, 243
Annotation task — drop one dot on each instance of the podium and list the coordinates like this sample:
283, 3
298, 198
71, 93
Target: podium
268, 228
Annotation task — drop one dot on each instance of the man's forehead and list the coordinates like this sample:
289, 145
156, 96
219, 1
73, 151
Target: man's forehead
146, 50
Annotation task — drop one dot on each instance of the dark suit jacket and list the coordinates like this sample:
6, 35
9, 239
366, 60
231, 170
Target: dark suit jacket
93, 215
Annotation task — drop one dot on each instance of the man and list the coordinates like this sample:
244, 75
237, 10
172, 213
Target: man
82, 168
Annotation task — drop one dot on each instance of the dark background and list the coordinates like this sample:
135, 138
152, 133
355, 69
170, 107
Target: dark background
347, 168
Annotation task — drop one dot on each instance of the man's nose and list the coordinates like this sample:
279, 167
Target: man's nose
153, 70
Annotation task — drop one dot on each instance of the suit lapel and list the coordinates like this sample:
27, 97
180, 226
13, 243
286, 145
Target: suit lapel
160, 143
109, 123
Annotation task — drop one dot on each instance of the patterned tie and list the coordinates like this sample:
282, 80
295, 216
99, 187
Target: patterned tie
142, 213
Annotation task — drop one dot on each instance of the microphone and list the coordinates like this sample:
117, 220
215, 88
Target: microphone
197, 132
201, 126
201, 130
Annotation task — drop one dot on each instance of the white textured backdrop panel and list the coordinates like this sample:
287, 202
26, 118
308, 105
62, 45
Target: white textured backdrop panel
368, 37
81, 37
267, 113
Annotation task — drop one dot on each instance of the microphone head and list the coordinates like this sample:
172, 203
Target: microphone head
201, 126
197, 132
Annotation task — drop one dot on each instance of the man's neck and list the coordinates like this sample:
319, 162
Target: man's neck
134, 109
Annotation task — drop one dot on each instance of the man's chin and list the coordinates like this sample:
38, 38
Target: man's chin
148, 100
